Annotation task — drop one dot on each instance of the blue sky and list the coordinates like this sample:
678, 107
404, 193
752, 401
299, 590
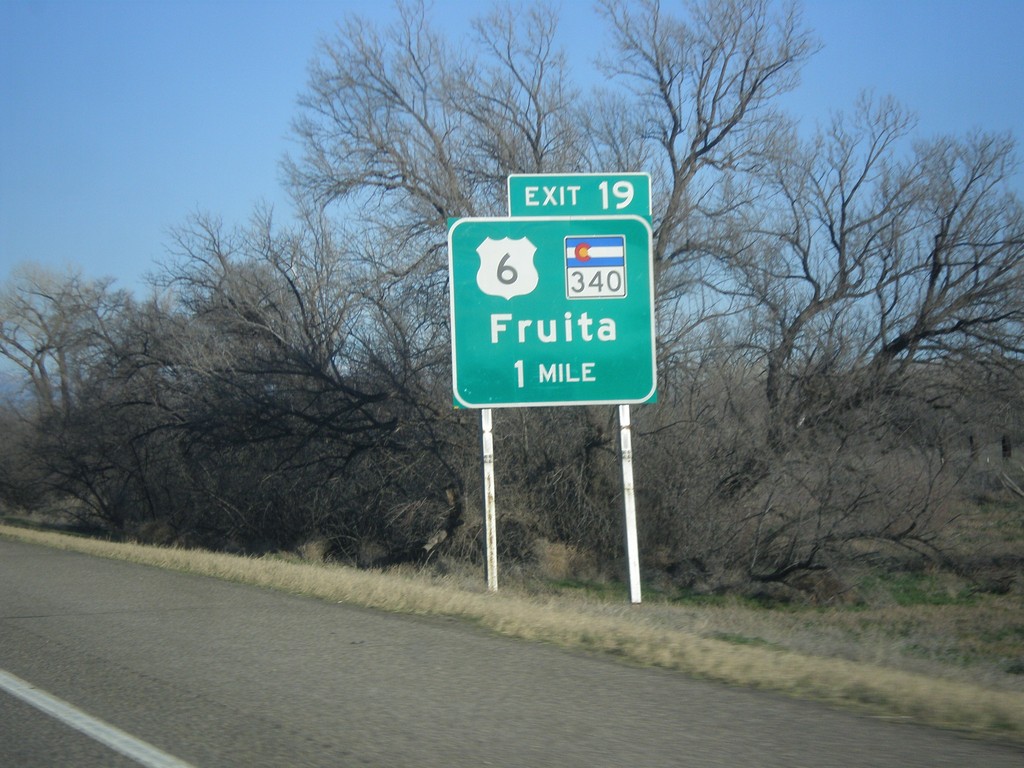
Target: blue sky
120, 118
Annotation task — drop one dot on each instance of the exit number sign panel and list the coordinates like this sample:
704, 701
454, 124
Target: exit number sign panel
580, 194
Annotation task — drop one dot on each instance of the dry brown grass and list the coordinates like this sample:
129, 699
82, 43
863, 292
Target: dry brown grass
853, 658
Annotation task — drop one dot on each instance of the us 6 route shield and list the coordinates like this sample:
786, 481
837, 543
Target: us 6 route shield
552, 311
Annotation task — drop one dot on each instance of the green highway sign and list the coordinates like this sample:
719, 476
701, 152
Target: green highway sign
552, 311
580, 194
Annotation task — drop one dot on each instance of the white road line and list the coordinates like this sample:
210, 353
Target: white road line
138, 750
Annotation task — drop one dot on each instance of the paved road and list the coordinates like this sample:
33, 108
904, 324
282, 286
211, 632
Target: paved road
220, 674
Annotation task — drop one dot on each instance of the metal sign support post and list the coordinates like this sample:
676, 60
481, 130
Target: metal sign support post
629, 498
490, 532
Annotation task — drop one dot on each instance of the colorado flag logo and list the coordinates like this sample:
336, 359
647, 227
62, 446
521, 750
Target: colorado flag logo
599, 251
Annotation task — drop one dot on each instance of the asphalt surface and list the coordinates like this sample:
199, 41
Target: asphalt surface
221, 674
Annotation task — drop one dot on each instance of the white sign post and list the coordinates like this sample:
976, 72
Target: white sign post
490, 523
629, 499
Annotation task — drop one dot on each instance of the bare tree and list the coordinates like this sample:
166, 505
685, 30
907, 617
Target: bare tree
409, 131
870, 257
53, 327
855, 273
823, 307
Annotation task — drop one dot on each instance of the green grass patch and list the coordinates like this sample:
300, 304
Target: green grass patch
1013, 633
597, 590
920, 589
739, 639
707, 600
